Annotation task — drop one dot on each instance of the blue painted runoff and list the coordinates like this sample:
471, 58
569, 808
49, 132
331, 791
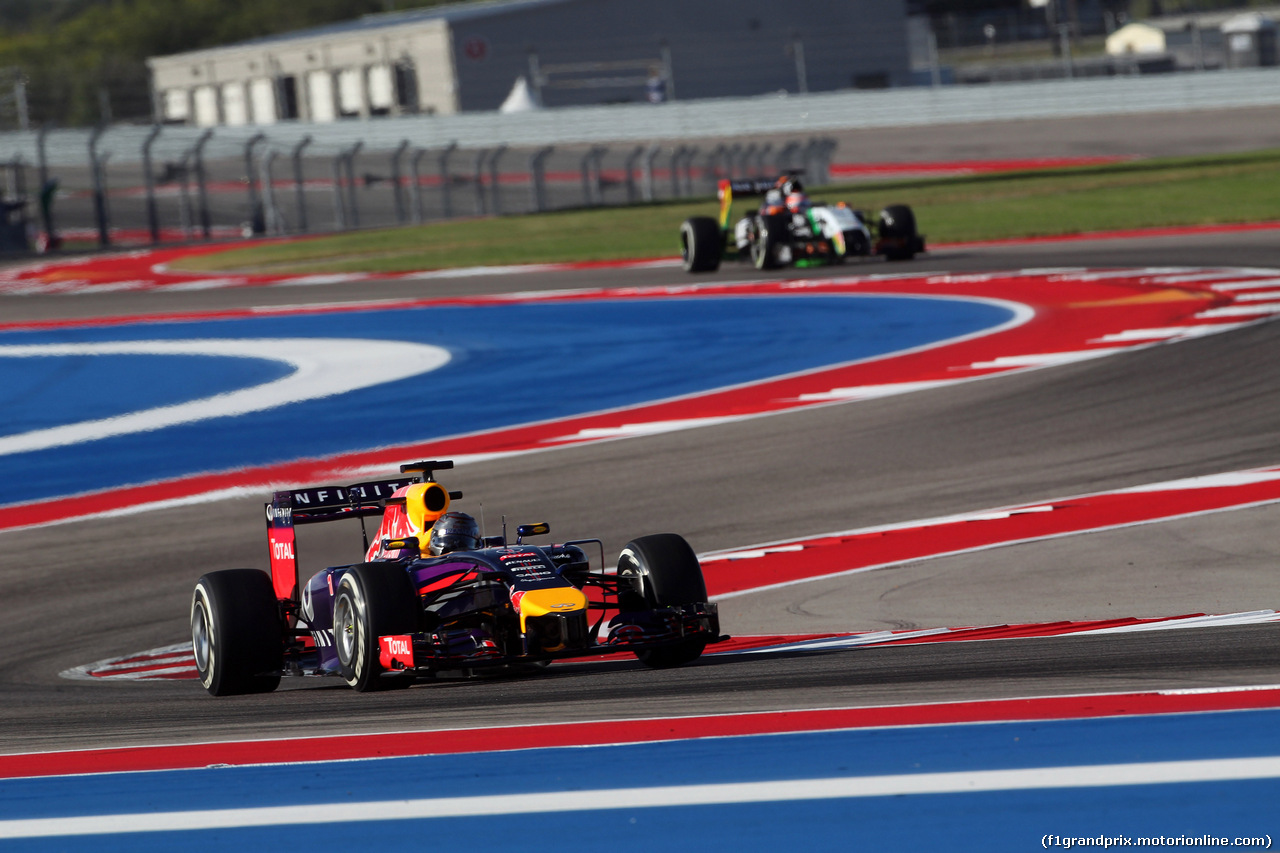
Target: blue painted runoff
511, 364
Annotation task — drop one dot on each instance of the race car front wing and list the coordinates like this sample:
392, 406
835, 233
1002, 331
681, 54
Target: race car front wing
429, 651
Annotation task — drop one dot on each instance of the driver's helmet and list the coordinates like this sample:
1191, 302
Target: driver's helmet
794, 191
454, 531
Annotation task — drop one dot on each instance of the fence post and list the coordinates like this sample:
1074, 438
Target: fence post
339, 196
481, 207
149, 182
593, 194
646, 175
494, 174
446, 182
202, 190
300, 199
46, 189
397, 190
184, 196
538, 178
632, 159
272, 219
257, 223
351, 183
414, 167
99, 191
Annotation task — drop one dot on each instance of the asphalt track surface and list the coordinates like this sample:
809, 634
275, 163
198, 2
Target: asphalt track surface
76, 593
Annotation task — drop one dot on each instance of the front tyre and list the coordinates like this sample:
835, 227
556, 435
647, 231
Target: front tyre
373, 600
664, 572
899, 238
237, 635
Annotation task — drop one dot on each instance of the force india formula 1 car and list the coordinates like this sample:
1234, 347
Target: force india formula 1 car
789, 230
404, 613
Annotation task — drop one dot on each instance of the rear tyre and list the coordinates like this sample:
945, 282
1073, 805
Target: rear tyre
372, 600
664, 572
237, 635
701, 244
769, 232
898, 235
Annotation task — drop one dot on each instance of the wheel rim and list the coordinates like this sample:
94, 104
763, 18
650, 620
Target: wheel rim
345, 631
201, 637
629, 568
760, 248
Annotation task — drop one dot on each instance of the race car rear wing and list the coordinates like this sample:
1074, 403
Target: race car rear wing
727, 188
329, 503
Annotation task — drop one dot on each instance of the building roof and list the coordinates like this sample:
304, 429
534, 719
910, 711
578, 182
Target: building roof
1205, 20
452, 12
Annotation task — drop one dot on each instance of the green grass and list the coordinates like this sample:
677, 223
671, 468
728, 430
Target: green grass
1143, 194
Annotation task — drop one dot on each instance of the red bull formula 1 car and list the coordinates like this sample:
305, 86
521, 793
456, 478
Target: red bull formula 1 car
790, 230
433, 595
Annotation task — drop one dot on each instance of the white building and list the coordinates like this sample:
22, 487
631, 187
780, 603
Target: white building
466, 57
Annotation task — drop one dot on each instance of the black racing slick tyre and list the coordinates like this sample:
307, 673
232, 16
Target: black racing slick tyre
899, 238
372, 600
237, 635
701, 244
769, 232
664, 572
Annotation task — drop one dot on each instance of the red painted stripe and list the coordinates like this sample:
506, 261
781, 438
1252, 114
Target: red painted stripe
148, 269
457, 741
827, 556
140, 671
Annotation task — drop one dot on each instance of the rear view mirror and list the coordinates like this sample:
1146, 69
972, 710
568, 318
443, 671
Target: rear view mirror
532, 530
